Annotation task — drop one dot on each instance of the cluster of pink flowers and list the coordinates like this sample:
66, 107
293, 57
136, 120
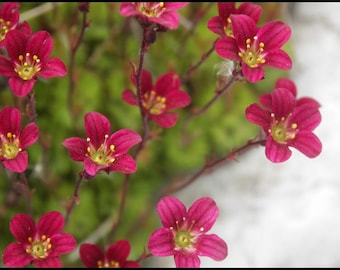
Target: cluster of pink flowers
286, 121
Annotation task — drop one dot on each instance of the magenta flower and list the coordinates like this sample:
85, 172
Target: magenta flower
14, 141
221, 24
115, 256
29, 59
162, 13
100, 150
287, 122
9, 20
40, 244
184, 233
254, 48
160, 99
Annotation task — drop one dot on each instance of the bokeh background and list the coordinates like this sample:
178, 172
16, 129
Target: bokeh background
98, 71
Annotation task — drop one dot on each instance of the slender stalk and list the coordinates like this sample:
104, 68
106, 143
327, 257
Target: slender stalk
24, 188
75, 199
146, 131
212, 164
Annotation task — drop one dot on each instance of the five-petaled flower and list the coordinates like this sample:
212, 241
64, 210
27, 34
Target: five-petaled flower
14, 141
40, 244
29, 59
254, 48
184, 232
221, 24
115, 255
160, 99
100, 150
148, 13
9, 20
287, 121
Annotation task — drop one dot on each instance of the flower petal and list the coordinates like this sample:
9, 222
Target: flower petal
6, 67
48, 262
123, 140
283, 102
307, 143
91, 167
187, 260
17, 164
276, 152
124, 164
50, 223
54, 67
274, 35
97, 126
170, 210
244, 27
41, 44
129, 97
10, 120
165, 120
20, 87
252, 74
22, 227
286, 83
29, 135
62, 243
215, 25
146, 81
212, 246
167, 83
203, 213
118, 251
226, 47
177, 99
77, 148
15, 44
128, 9
15, 255
307, 116
278, 59
161, 242
258, 116
90, 254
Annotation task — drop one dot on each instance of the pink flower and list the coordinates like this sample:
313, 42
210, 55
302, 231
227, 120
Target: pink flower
115, 256
100, 150
28, 60
162, 13
14, 141
9, 20
287, 122
40, 245
221, 24
184, 233
159, 99
253, 47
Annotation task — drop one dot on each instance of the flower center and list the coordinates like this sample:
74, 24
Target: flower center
281, 130
111, 264
183, 239
9, 146
102, 155
154, 104
28, 66
150, 9
39, 248
253, 56
4, 28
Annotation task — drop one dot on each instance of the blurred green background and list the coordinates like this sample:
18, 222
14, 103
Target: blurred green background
101, 72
